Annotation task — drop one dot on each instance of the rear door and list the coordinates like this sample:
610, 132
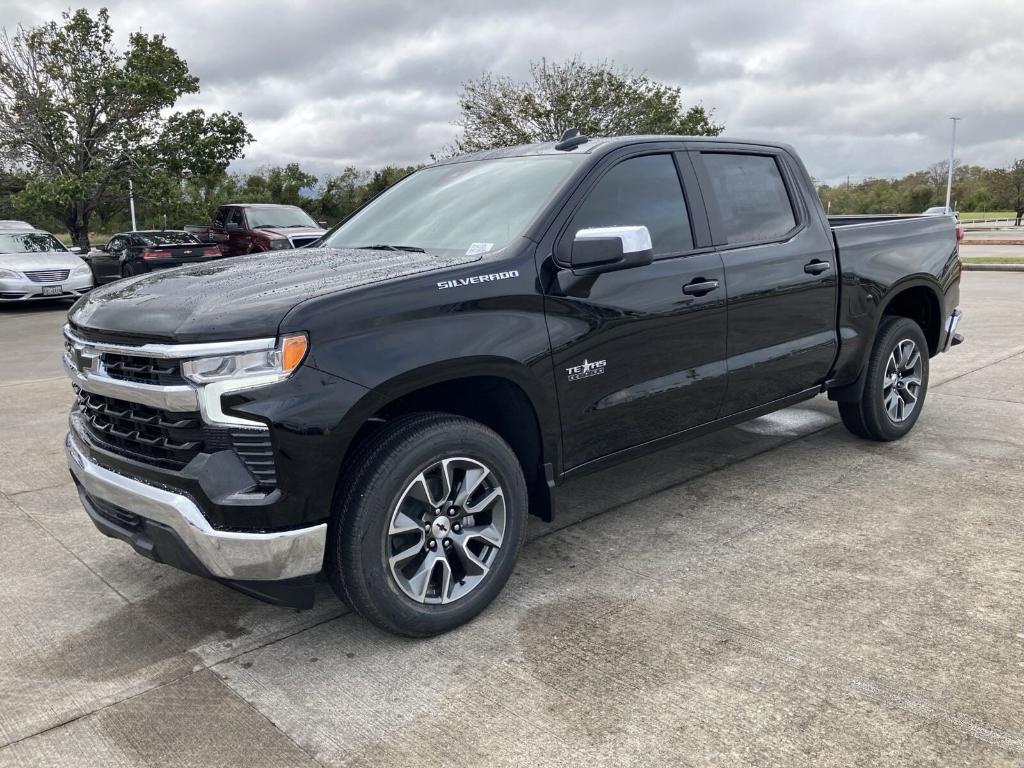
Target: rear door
635, 357
779, 270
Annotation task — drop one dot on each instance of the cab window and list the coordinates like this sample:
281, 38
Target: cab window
640, 191
751, 195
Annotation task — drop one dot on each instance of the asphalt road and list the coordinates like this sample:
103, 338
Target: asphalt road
777, 594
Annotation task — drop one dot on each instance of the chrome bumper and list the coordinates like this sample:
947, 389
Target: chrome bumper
952, 337
225, 554
23, 289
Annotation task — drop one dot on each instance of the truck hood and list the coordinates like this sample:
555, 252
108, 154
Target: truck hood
239, 298
290, 232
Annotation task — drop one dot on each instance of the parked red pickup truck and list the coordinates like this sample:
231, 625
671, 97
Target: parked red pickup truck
242, 228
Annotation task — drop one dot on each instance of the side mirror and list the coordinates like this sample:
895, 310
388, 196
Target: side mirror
323, 224
609, 249
75, 249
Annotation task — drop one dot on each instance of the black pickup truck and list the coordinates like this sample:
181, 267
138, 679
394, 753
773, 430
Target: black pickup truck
388, 410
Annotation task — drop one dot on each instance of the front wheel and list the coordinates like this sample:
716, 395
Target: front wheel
895, 386
428, 525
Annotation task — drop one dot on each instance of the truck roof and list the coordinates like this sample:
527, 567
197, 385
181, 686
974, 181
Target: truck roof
599, 144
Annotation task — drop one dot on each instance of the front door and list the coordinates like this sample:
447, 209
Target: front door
780, 271
239, 241
106, 264
637, 354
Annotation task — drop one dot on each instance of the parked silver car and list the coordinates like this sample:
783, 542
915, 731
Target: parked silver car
35, 265
14, 224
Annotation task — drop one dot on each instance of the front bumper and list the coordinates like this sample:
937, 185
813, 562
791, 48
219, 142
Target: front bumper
135, 509
23, 289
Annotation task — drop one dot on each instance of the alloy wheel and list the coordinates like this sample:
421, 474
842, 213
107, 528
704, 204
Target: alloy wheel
901, 385
446, 530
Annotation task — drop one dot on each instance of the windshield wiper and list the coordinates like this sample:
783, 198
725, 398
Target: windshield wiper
387, 247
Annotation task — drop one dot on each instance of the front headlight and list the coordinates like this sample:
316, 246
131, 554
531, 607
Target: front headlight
81, 269
9, 274
250, 368
280, 244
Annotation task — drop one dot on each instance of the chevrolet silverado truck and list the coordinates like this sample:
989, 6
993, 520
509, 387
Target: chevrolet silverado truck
386, 412
242, 228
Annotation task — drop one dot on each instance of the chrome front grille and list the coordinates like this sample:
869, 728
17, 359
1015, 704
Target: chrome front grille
48, 275
133, 400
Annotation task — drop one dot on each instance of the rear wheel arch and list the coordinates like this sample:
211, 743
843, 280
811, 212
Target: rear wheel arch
919, 301
916, 299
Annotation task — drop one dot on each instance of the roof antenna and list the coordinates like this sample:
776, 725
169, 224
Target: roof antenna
571, 139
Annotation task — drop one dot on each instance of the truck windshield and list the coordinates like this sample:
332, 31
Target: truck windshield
29, 242
284, 217
470, 207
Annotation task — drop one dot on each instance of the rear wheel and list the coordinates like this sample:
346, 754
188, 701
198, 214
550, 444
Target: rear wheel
428, 525
896, 382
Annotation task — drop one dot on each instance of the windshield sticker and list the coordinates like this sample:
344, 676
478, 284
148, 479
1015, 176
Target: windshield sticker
476, 248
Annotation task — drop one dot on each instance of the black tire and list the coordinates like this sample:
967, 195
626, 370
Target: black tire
130, 270
869, 417
383, 468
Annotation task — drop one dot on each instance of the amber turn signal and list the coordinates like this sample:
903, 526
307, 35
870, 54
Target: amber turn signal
293, 349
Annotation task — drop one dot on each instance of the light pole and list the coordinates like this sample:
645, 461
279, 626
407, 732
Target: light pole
131, 202
949, 174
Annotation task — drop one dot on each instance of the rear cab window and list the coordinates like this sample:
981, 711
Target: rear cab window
753, 200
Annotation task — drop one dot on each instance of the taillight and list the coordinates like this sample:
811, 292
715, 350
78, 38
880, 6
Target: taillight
959, 232
214, 251
147, 254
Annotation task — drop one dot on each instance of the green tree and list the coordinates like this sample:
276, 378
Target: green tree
277, 184
598, 99
83, 117
1010, 188
917, 198
384, 178
341, 194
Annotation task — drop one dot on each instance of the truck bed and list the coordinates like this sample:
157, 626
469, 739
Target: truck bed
912, 244
879, 253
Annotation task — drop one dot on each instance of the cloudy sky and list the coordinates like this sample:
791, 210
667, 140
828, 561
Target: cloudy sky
860, 88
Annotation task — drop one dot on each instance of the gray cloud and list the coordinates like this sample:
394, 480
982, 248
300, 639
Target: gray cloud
859, 88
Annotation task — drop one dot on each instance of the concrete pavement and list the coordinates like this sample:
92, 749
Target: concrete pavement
777, 594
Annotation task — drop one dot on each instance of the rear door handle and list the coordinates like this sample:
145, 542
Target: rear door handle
816, 267
699, 286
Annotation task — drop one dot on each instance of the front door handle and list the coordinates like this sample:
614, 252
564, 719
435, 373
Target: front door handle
699, 286
816, 267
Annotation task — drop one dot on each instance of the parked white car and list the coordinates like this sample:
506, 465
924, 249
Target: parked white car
35, 265
14, 224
